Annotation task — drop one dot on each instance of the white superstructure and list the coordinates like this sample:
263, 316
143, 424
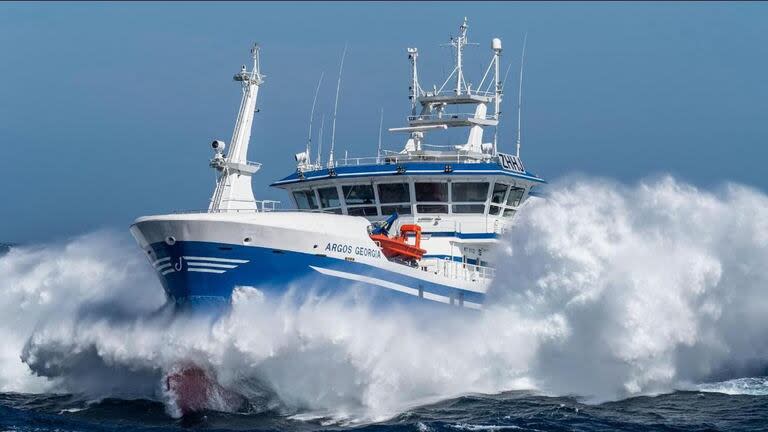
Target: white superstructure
451, 203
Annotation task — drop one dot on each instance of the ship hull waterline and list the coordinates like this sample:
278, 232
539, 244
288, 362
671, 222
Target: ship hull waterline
201, 259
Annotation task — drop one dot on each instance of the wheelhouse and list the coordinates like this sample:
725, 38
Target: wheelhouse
461, 197
358, 193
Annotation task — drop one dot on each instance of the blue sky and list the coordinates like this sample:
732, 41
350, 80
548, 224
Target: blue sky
107, 109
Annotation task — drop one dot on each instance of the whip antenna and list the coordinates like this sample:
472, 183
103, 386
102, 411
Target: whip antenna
312, 116
320, 142
520, 97
381, 123
336, 107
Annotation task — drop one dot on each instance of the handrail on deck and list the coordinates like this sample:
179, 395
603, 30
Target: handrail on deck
459, 270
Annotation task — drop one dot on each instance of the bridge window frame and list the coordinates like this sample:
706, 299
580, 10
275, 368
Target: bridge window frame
369, 207
311, 204
321, 198
464, 205
387, 207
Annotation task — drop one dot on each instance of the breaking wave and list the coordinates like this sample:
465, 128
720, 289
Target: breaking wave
606, 291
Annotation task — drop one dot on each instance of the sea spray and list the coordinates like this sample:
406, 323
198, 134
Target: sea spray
603, 290
44, 286
658, 284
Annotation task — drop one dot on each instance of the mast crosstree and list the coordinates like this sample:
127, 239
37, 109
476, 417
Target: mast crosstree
434, 104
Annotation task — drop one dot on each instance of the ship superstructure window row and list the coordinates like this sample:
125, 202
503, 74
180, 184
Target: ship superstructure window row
420, 197
395, 197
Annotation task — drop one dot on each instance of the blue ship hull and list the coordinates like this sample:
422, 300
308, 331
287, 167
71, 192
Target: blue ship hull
202, 275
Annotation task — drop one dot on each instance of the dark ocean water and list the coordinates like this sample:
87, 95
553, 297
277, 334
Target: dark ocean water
679, 411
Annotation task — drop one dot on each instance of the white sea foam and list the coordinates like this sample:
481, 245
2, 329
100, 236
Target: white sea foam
754, 386
605, 291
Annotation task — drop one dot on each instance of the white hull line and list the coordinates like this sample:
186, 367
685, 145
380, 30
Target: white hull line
226, 260
212, 265
156, 262
167, 271
391, 285
204, 270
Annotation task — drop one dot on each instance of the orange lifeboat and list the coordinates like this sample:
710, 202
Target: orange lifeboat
398, 246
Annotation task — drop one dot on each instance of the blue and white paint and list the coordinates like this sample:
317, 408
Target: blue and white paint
462, 198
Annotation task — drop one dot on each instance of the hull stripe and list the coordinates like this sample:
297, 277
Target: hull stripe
391, 285
204, 270
226, 260
156, 262
210, 265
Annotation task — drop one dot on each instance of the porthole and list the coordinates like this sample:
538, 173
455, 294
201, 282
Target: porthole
247, 240
170, 240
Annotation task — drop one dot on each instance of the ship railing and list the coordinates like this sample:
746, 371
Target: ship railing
451, 269
449, 117
390, 157
261, 206
453, 93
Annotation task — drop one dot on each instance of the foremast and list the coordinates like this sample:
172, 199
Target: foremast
234, 190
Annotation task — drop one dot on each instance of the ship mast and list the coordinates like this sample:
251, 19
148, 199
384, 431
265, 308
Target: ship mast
459, 43
434, 104
233, 186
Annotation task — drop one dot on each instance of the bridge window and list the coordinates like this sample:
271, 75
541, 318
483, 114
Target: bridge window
305, 199
431, 208
358, 194
469, 192
509, 212
402, 209
515, 195
362, 211
329, 197
499, 190
432, 192
468, 208
394, 193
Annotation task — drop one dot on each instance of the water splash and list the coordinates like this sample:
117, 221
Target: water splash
754, 386
658, 284
605, 291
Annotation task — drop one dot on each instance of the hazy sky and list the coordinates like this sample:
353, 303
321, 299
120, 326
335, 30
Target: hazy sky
107, 109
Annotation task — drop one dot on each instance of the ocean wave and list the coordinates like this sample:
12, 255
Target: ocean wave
752, 386
606, 291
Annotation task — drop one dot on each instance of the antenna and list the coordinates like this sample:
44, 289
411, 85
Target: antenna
381, 123
496, 128
415, 88
312, 117
520, 97
320, 141
459, 43
336, 107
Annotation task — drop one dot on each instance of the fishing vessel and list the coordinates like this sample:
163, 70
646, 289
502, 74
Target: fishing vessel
415, 225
